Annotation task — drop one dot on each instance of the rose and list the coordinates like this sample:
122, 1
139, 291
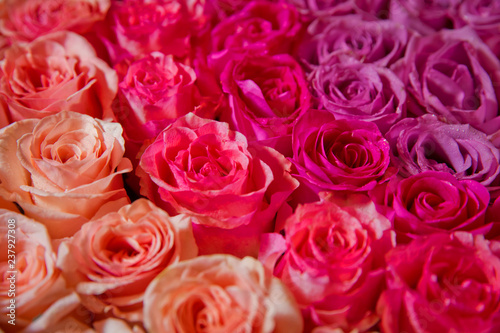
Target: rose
484, 18
454, 75
326, 8
59, 71
31, 284
63, 169
259, 28
200, 167
266, 94
219, 293
432, 202
25, 20
425, 143
378, 42
424, 16
335, 155
134, 28
333, 260
441, 283
353, 90
155, 91
112, 259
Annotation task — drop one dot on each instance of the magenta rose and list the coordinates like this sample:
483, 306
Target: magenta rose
26, 20
425, 143
377, 42
432, 202
350, 89
453, 74
232, 190
55, 72
260, 27
134, 28
333, 155
424, 16
155, 91
441, 283
333, 260
327, 8
266, 95
484, 17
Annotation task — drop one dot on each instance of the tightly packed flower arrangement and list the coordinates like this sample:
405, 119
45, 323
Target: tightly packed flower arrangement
267, 166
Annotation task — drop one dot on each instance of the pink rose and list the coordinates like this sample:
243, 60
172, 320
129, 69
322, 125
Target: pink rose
63, 169
155, 91
441, 283
220, 293
378, 42
432, 202
339, 155
425, 16
332, 260
200, 167
454, 75
26, 20
259, 28
31, 283
350, 89
112, 259
266, 94
55, 72
134, 28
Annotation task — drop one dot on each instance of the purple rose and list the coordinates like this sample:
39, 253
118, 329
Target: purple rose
259, 28
425, 16
425, 143
484, 17
455, 75
441, 283
332, 155
378, 42
352, 90
266, 95
326, 8
432, 202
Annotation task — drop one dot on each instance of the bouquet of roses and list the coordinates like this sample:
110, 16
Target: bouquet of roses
271, 166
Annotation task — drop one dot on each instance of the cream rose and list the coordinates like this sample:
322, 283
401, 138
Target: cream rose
64, 169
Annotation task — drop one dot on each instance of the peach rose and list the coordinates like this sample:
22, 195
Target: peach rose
64, 169
31, 283
219, 293
58, 71
25, 20
112, 260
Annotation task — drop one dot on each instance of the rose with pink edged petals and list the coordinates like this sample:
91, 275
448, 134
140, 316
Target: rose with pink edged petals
111, 260
134, 28
350, 89
28, 270
454, 75
55, 72
25, 20
441, 283
260, 28
220, 293
436, 202
339, 155
426, 143
266, 94
154, 92
200, 167
64, 169
332, 260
